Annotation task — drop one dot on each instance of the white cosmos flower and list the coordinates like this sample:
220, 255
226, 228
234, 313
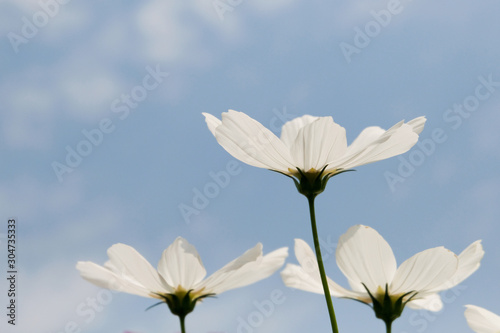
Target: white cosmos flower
309, 145
481, 320
369, 265
180, 272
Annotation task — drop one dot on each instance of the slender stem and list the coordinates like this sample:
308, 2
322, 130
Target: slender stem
326, 290
183, 328
388, 324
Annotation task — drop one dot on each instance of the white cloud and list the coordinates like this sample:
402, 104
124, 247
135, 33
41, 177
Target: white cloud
26, 196
113, 40
88, 91
74, 217
8, 20
266, 6
49, 298
34, 97
167, 36
185, 33
353, 13
27, 120
66, 21
26, 5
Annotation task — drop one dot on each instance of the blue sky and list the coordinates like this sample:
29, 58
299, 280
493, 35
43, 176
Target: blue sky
123, 84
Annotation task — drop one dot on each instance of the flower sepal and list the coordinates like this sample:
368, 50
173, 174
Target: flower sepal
387, 307
182, 303
312, 182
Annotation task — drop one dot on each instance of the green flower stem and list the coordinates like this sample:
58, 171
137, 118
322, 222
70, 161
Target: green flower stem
388, 325
326, 289
183, 328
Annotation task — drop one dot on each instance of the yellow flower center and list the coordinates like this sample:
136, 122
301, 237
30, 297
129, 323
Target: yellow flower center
380, 294
180, 292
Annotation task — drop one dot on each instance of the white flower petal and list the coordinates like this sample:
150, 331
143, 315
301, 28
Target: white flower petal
291, 129
105, 278
468, 262
246, 269
431, 302
417, 124
481, 320
366, 138
395, 141
218, 278
297, 277
338, 291
309, 142
308, 263
318, 143
306, 257
365, 257
180, 265
212, 122
131, 265
250, 142
307, 277
425, 272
